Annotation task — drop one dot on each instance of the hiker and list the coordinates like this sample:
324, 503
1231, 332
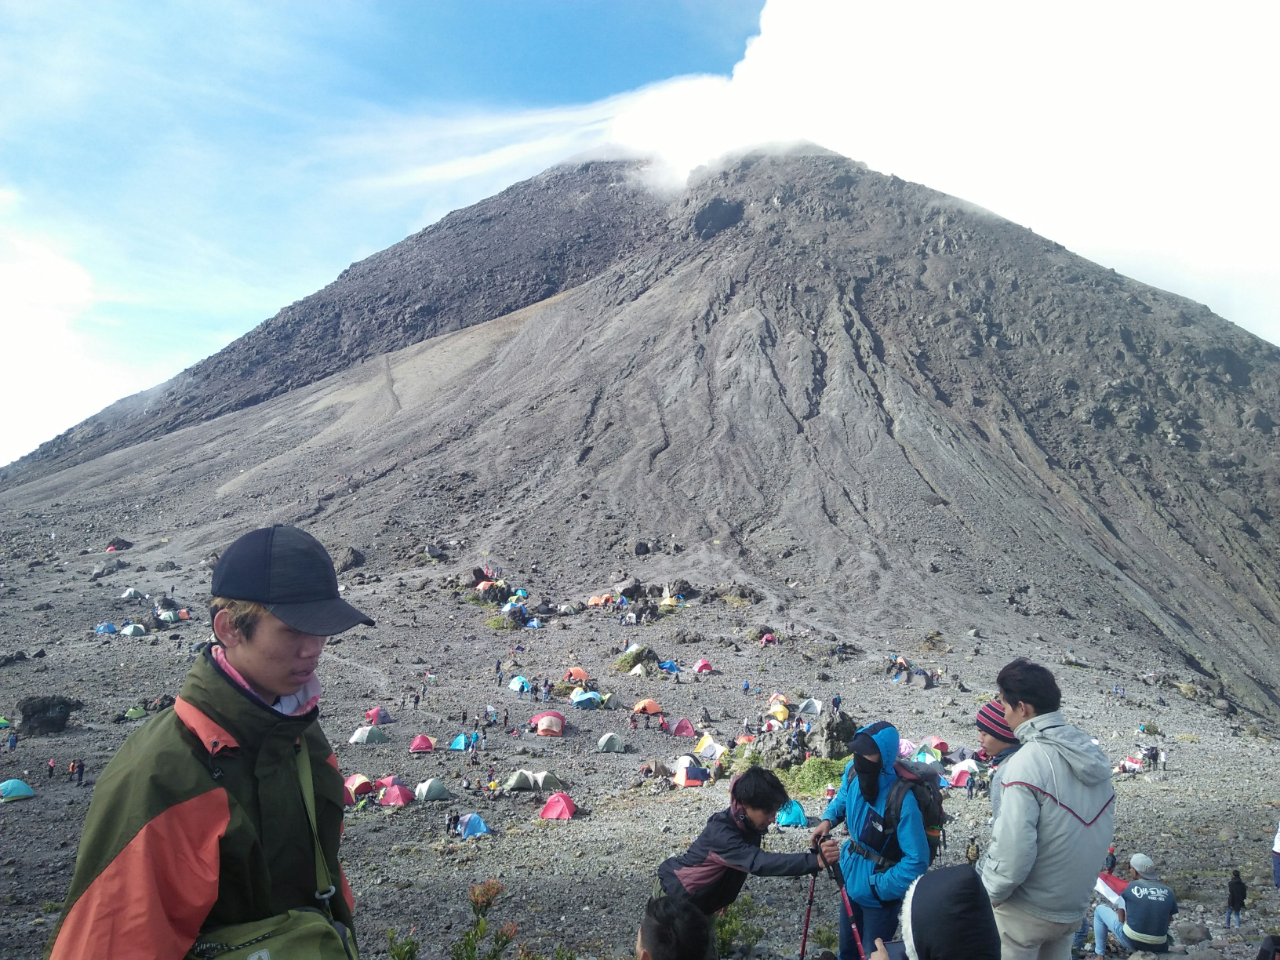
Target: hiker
223, 812
13, 741
506, 719
634, 724
1164, 761
998, 743
878, 863
835, 703
499, 678
1110, 863
662, 723
1143, 922
79, 772
972, 852
1236, 892
746, 686
416, 698
1054, 822
674, 929
714, 868
51, 766
646, 726
946, 916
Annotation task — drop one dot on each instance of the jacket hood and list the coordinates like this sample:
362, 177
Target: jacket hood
1085, 758
886, 737
947, 914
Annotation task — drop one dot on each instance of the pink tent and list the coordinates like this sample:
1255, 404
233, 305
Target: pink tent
359, 784
960, 779
422, 744
378, 714
396, 796
391, 781
702, 666
559, 806
684, 728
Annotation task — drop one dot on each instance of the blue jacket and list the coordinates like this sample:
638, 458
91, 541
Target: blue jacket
866, 887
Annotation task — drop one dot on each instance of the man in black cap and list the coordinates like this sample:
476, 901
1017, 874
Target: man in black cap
218, 821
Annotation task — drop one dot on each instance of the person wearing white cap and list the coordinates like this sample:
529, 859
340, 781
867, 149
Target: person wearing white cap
1143, 923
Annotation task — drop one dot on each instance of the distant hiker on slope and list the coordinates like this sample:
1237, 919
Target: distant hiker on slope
714, 868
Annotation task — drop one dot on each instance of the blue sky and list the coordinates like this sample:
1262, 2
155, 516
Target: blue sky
172, 174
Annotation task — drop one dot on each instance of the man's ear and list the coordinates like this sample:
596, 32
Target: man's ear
225, 629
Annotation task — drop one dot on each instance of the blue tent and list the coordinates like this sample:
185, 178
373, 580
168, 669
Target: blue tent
518, 683
534, 624
669, 666
508, 607
522, 592
792, 815
585, 700
459, 742
105, 627
15, 790
472, 826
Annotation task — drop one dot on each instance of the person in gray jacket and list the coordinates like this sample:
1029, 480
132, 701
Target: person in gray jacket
1054, 825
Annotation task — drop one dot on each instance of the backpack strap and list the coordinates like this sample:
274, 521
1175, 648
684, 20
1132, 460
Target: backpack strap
324, 883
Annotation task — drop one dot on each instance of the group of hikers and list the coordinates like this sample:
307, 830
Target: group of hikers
216, 826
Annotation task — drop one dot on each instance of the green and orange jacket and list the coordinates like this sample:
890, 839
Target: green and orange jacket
199, 822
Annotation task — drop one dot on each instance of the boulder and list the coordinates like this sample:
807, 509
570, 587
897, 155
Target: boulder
830, 736
679, 588
47, 714
641, 548
629, 588
120, 543
165, 566
105, 568
348, 559
1189, 932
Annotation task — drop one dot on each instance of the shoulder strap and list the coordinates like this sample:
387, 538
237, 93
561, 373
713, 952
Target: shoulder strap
324, 884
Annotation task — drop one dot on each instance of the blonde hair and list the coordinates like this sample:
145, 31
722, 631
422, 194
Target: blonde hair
245, 614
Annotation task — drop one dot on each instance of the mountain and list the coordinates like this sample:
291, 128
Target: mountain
881, 409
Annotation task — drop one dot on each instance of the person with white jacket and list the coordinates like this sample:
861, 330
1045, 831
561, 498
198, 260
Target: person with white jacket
1054, 825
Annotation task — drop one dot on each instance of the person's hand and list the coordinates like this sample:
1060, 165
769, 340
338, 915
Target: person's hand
820, 832
829, 851
881, 952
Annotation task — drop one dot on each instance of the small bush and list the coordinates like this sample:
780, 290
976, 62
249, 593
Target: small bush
812, 776
406, 949
499, 623
827, 937
1188, 738
51, 906
734, 925
563, 688
626, 663
472, 597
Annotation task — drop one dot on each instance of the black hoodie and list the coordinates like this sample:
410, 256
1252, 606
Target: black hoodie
947, 916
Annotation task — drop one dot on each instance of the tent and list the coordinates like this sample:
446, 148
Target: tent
702, 666
518, 683
928, 755
937, 743
599, 601
779, 711
546, 780
669, 666
559, 806
538, 717
638, 671
131, 594
770, 725
779, 698
792, 815
520, 780
348, 798
906, 748
704, 742
691, 776
105, 627
369, 735
656, 767
610, 743
396, 796
135, 713
609, 701
961, 754
133, 630
422, 744
551, 726
810, 707
15, 790
431, 789
686, 760
460, 742
969, 766
389, 781
646, 706
472, 826
960, 778
358, 784
576, 673
684, 728
585, 699
378, 715
3, 723
534, 624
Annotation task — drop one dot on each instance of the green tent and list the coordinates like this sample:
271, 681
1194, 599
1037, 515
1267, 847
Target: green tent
547, 781
609, 701
134, 630
610, 743
135, 713
431, 789
370, 734
3, 723
520, 780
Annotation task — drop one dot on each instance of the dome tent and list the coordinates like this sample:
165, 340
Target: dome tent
472, 826
12, 790
135, 713
432, 789
390, 781
691, 776
647, 706
378, 714
810, 707
369, 735
358, 784
576, 673
684, 728
792, 815
702, 666
396, 796
422, 744
518, 684
585, 699
610, 743
559, 806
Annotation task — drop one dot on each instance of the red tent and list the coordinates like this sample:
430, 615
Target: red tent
937, 743
702, 666
396, 796
550, 713
348, 798
960, 779
576, 673
691, 776
391, 781
378, 714
359, 784
422, 744
559, 806
684, 728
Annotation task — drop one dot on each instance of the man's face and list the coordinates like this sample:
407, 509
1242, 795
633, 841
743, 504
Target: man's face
760, 819
992, 745
277, 661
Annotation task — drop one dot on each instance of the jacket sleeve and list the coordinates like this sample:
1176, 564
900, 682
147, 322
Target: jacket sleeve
149, 900
836, 809
740, 855
1012, 851
893, 883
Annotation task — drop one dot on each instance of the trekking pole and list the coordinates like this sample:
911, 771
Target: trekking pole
804, 937
834, 871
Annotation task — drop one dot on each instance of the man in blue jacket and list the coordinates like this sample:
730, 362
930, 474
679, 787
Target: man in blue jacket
878, 864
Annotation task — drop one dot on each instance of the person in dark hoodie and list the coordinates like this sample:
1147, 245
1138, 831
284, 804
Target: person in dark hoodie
1236, 892
946, 915
716, 865
878, 865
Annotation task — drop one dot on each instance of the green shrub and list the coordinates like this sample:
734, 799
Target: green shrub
626, 663
472, 597
406, 949
811, 777
51, 906
827, 937
500, 623
734, 926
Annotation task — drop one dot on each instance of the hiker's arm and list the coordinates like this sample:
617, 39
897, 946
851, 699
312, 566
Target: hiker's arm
835, 811
148, 900
743, 856
893, 883
1012, 851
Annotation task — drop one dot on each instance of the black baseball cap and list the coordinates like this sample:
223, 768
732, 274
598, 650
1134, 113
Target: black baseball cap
290, 573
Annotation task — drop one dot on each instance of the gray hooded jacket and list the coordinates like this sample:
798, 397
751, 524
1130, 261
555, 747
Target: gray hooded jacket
1055, 822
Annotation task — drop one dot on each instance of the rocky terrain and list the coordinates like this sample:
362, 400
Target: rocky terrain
847, 407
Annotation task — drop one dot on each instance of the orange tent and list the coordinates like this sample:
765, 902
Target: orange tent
559, 806
576, 673
600, 601
779, 698
647, 706
422, 744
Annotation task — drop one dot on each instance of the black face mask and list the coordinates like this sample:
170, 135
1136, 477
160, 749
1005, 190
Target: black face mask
868, 772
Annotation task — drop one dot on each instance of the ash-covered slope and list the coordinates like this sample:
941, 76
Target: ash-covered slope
885, 410
531, 241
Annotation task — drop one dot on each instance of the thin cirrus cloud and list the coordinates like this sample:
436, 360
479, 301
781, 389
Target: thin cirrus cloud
1137, 135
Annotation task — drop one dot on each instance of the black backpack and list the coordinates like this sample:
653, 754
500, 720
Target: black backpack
923, 780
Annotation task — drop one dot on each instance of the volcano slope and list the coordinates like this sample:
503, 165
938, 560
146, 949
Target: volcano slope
873, 410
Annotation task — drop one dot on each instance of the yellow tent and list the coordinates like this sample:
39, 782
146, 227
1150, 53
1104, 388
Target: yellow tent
779, 711
706, 739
